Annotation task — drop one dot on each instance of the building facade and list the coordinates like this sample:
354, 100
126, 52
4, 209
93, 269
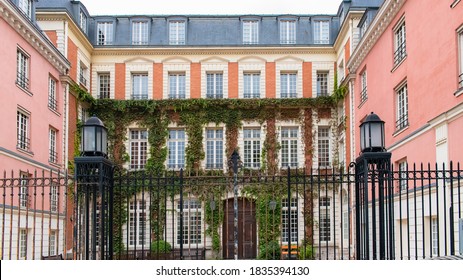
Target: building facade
34, 131
285, 91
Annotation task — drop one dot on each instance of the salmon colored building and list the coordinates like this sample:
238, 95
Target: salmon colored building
408, 71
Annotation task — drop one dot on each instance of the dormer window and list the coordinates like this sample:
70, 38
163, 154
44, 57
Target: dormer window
83, 21
105, 33
177, 32
321, 32
287, 31
26, 7
139, 32
250, 32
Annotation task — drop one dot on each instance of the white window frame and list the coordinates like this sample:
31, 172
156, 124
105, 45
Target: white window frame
26, 7
176, 145
402, 169
138, 223
324, 146
252, 147
345, 215
54, 190
321, 32
434, 236
323, 83
192, 222
177, 32
139, 86
138, 145
251, 84
177, 85
250, 32
460, 53
214, 85
289, 139
104, 33
288, 31
363, 84
402, 107
83, 74
288, 84
23, 234
52, 100
293, 209
83, 21
22, 129
400, 45
104, 85
325, 224
52, 243
24, 190
52, 145
214, 148
22, 64
140, 32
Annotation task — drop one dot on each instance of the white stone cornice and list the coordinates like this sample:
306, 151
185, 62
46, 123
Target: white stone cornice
383, 18
211, 51
31, 34
64, 16
352, 15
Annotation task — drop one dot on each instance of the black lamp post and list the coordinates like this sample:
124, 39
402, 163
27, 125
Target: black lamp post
93, 201
373, 193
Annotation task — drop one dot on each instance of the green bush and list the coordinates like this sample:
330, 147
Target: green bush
160, 246
306, 252
269, 251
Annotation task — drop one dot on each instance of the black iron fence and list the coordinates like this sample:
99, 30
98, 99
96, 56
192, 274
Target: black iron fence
298, 214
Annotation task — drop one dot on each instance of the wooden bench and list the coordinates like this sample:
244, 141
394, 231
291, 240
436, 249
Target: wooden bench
289, 252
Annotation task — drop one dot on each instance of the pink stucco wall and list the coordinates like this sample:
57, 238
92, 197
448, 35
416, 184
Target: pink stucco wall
431, 72
12, 96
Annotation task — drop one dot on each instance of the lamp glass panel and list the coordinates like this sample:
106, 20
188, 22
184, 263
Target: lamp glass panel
88, 139
105, 141
99, 138
362, 137
376, 135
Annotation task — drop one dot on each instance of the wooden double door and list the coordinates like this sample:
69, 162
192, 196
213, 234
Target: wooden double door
247, 230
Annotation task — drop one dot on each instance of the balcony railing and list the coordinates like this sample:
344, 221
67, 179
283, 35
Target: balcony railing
23, 142
53, 104
214, 165
53, 156
288, 94
139, 96
402, 122
251, 95
22, 80
400, 53
82, 80
363, 95
214, 96
176, 96
104, 95
460, 80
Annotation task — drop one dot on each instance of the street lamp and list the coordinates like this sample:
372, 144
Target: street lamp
372, 134
94, 138
94, 199
373, 193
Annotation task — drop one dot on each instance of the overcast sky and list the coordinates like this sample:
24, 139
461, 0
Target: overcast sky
211, 7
